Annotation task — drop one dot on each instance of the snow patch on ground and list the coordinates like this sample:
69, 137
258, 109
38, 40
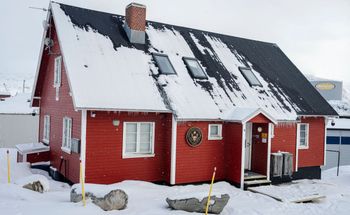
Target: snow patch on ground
148, 198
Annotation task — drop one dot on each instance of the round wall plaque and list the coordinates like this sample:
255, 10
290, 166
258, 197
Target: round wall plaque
194, 136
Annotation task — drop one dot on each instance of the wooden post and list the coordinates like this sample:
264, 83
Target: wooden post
82, 182
210, 189
8, 167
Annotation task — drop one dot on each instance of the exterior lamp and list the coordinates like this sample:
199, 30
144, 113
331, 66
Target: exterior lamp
116, 122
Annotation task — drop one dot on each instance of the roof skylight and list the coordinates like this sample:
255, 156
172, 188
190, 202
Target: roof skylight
164, 64
195, 69
250, 77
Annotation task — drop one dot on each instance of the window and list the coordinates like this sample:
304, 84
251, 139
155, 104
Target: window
164, 64
57, 75
215, 132
67, 134
46, 129
138, 139
250, 77
195, 69
303, 136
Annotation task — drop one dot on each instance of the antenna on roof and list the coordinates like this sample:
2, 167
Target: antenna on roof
38, 8
7, 90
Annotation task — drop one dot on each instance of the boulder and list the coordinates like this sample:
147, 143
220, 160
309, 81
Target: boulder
114, 200
35, 186
194, 205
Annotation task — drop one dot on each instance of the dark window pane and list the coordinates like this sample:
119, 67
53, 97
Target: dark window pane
164, 64
250, 77
195, 68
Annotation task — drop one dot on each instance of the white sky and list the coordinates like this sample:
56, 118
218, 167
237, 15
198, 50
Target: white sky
314, 34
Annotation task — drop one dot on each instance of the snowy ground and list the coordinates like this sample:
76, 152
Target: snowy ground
148, 198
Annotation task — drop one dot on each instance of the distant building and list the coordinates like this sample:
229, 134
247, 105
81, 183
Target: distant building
19, 123
338, 130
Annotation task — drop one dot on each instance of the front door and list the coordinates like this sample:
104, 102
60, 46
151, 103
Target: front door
248, 146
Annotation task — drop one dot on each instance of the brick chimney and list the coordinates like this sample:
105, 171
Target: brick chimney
135, 22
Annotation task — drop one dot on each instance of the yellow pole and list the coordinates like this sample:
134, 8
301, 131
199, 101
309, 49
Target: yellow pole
8, 167
82, 181
210, 189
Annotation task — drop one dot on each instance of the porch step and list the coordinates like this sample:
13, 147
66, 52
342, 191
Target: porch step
254, 177
254, 183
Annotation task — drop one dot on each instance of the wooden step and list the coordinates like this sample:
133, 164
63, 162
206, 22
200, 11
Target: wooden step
255, 183
254, 177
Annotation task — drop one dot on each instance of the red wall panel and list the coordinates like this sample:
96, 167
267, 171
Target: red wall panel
233, 152
313, 156
104, 162
285, 139
195, 164
57, 110
260, 118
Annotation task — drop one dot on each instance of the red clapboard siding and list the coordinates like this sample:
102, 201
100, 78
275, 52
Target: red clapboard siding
195, 164
233, 151
38, 157
57, 110
313, 156
260, 118
104, 162
285, 139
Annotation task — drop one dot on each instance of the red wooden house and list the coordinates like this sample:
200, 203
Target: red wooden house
142, 100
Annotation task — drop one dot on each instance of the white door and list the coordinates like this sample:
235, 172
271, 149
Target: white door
248, 146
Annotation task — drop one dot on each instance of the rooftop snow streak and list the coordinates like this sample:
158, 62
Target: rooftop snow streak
285, 92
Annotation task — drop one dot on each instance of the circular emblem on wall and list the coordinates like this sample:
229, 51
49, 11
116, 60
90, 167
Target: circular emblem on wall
325, 86
194, 136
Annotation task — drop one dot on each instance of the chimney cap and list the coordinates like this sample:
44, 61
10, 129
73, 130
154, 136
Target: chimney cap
134, 4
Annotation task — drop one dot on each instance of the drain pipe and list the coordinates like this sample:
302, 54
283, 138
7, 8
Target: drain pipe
173, 151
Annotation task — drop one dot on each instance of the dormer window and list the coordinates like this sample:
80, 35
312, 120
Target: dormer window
195, 69
250, 77
164, 64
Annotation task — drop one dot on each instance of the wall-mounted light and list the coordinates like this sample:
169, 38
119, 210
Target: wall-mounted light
333, 123
93, 114
259, 129
116, 122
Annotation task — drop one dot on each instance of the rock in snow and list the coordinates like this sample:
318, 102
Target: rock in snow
194, 205
36, 182
114, 200
35, 186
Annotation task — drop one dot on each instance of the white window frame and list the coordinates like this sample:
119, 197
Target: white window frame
67, 134
217, 137
307, 135
138, 154
57, 71
46, 129
57, 75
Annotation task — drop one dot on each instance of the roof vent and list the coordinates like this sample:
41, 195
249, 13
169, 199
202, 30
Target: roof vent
135, 22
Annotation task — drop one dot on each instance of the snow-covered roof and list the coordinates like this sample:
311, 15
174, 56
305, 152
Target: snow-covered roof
18, 104
28, 148
244, 114
341, 106
106, 71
